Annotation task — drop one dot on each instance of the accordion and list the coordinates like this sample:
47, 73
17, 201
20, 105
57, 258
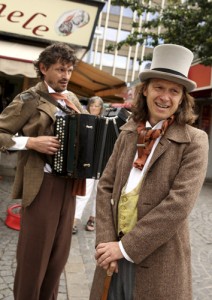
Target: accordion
87, 142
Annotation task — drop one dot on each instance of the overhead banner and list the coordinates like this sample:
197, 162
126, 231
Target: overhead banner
71, 22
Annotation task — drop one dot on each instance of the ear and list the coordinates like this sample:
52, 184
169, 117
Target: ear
43, 68
145, 91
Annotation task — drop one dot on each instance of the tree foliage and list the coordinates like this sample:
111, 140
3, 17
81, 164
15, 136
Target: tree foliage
188, 24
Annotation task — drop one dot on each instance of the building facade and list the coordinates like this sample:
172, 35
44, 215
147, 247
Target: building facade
114, 25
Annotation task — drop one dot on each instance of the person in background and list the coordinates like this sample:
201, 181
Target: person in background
95, 107
149, 187
48, 201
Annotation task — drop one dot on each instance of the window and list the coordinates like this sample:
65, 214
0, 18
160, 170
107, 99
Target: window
111, 34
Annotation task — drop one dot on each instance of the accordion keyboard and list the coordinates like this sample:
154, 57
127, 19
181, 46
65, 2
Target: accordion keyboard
61, 131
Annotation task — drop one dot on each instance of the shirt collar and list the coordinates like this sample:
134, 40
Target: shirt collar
157, 126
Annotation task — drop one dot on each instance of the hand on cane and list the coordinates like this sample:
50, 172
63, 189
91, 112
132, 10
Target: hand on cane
113, 267
106, 253
107, 256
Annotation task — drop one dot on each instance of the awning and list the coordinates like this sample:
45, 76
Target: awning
86, 80
17, 59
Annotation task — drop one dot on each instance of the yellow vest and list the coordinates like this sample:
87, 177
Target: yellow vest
127, 209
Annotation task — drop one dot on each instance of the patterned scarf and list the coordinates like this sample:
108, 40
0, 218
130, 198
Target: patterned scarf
146, 140
70, 104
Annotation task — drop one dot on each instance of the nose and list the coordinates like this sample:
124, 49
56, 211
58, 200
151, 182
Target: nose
66, 74
165, 95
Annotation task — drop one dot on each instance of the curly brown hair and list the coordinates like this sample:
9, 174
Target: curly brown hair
58, 52
185, 113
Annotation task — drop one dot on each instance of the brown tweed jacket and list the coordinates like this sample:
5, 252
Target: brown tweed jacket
29, 115
159, 243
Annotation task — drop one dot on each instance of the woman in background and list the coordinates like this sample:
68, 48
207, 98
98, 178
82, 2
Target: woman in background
95, 107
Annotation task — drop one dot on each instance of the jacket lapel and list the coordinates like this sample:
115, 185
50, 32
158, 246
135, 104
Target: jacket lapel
45, 105
131, 146
175, 133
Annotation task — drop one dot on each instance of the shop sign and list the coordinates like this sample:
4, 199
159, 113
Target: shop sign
72, 22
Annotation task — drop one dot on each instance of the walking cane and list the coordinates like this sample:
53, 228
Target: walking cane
107, 284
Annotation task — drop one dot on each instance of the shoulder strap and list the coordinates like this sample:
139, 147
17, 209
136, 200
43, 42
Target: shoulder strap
52, 101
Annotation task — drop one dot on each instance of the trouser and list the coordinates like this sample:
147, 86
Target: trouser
122, 283
81, 201
44, 240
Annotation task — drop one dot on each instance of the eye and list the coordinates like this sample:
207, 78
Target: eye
158, 87
176, 92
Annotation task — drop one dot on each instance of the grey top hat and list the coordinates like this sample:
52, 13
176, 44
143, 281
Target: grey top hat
171, 62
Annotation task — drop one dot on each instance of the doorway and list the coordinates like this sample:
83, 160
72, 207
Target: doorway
10, 86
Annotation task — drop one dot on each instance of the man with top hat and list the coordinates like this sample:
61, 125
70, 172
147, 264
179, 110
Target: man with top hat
149, 187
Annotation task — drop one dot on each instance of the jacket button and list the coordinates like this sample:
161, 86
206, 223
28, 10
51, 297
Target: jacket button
112, 202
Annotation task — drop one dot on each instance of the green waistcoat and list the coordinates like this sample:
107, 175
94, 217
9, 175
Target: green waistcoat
127, 209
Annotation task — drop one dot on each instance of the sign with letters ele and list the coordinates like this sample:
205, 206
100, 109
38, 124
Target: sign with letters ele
47, 21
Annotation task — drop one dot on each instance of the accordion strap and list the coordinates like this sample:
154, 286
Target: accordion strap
115, 127
102, 148
54, 102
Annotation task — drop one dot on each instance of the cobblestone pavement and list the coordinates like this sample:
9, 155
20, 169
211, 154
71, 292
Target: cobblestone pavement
77, 277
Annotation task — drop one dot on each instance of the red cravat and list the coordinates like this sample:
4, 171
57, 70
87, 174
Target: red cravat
71, 105
146, 140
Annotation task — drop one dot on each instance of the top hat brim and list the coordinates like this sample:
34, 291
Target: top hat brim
150, 74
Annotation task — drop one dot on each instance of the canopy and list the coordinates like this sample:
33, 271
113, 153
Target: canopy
88, 80
17, 58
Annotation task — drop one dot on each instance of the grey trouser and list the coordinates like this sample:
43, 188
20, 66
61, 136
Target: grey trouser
122, 283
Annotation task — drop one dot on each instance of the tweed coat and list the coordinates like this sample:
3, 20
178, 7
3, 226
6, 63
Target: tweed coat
159, 242
29, 115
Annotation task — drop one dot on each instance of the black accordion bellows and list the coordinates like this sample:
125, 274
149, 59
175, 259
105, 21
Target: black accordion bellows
87, 142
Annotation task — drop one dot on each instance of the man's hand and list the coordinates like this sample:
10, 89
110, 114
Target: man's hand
107, 253
113, 267
44, 144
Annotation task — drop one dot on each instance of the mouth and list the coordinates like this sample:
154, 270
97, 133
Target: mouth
64, 82
162, 105
61, 86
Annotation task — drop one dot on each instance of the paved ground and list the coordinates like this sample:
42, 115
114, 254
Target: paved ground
77, 277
